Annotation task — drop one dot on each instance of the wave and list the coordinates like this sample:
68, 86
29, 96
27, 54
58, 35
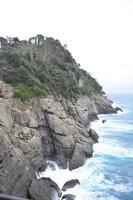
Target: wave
94, 185
97, 182
112, 126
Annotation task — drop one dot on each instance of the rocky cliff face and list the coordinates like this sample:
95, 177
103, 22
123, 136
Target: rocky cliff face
44, 129
51, 121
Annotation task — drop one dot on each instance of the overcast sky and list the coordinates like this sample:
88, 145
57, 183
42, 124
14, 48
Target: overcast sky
99, 33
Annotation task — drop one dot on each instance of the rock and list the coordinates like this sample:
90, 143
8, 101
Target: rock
70, 184
104, 120
81, 152
29, 141
16, 172
103, 105
5, 114
118, 109
5, 90
33, 123
68, 197
83, 111
20, 117
44, 189
93, 134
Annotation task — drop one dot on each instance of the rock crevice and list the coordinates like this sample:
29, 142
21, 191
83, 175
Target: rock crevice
46, 129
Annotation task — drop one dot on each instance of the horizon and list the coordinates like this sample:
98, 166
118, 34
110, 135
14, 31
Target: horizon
98, 34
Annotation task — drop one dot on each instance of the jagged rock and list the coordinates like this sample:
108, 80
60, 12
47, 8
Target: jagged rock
44, 189
29, 141
104, 120
16, 172
68, 197
70, 184
118, 109
103, 105
53, 134
93, 134
81, 152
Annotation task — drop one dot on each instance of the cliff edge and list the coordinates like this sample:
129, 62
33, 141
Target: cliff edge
46, 105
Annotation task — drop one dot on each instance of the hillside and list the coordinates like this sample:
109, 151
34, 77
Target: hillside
54, 127
42, 66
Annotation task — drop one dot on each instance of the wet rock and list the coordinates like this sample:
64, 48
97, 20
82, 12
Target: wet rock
104, 120
70, 184
68, 197
118, 109
81, 152
93, 134
44, 189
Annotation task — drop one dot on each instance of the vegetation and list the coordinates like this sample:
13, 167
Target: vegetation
25, 92
42, 66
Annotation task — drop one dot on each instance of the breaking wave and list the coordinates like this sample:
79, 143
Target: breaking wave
108, 174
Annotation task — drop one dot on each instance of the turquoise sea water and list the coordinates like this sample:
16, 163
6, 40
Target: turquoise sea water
109, 174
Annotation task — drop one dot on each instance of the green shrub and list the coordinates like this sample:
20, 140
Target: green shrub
22, 92
37, 92
25, 92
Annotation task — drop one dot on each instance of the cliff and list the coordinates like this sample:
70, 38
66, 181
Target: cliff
36, 127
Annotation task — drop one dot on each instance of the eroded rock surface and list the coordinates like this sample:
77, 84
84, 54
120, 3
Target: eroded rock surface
44, 189
44, 129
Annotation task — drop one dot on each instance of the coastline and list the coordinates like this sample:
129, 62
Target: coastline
29, 136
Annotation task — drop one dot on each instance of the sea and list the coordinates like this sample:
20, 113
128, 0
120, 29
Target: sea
108, 175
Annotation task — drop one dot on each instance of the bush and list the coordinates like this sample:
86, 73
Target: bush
37, 92
25, 93
22, 92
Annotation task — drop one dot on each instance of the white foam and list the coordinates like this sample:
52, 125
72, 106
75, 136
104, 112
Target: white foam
94, 185
111, 125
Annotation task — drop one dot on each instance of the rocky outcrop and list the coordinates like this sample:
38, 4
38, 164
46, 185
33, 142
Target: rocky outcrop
93, 134
70, 184
44, 189
16, 172
103, 105
44, 129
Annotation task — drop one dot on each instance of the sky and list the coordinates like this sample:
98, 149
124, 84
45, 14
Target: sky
98, 33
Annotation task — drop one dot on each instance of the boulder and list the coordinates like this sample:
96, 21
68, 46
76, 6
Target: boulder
104, 120
70, 184
81, 152
68, 197
93, 134
44, 189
